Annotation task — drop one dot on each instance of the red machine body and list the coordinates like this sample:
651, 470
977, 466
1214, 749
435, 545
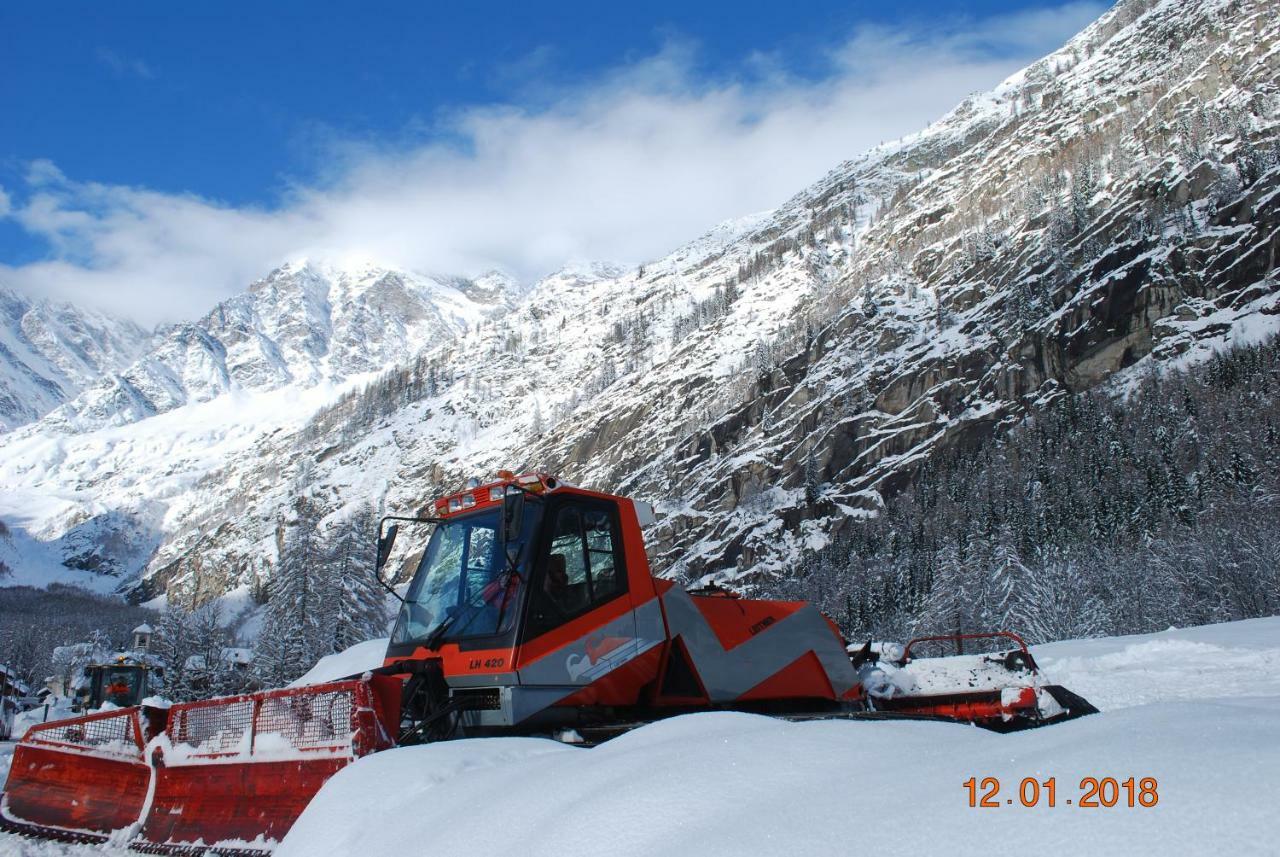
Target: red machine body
627, 642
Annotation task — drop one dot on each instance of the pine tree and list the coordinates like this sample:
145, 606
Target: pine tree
175, 642
537, 426
358, 610
1003, 579
216, 674
1083, 188
275, 661
194, 645
947, 608
812, 479
292, 638
942, 316
1056, 602
869, 307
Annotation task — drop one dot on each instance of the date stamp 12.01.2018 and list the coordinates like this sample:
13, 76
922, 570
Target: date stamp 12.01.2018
1092, 793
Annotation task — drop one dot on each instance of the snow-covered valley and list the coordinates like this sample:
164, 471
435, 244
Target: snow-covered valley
1196, 709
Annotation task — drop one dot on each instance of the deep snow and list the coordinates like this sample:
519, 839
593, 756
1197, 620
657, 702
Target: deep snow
1194, 708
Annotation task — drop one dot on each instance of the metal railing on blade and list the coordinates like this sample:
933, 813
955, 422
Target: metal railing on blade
959, 640
322, 719
114, 733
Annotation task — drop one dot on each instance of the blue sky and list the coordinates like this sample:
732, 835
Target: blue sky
182, 149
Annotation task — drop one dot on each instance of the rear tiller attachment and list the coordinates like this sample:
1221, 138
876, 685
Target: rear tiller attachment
1001, 690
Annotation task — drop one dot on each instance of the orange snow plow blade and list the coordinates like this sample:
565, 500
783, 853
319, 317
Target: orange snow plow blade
229, 774
80, 777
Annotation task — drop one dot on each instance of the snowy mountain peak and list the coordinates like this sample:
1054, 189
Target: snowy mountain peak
578, 276
306, 323
50, 351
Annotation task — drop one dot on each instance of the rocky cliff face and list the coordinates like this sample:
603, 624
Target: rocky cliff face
1108, 210
49, 352
302, 325
1111, 209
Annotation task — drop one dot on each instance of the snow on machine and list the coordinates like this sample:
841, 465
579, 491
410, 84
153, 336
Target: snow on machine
532, 612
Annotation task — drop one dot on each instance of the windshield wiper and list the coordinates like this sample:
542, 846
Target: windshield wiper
435, 638
473, 609
432, 642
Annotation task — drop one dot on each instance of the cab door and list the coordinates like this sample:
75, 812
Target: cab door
579, 627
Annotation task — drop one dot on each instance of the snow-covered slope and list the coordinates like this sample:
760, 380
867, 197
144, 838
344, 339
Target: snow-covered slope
92, 508
1109, 208
49, 352
86, 490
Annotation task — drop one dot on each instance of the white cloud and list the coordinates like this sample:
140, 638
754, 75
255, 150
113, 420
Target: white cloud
625, 168
123, 66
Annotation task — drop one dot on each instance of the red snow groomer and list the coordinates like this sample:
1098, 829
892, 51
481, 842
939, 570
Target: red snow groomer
532, 612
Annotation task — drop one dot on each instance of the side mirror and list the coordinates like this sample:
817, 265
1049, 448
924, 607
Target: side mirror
512, 515
385, 543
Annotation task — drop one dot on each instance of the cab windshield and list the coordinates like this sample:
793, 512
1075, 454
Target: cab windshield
120, 685
460, 580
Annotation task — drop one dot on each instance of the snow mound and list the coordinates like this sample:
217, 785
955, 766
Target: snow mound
1195, 709
353, 661
737, 784
1233, 659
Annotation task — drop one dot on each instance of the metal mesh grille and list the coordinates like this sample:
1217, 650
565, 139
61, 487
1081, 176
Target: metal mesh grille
266, 723
113, 734
307, 720
213, 728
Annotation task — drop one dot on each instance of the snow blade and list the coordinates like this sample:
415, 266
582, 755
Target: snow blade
79, 777
228, 775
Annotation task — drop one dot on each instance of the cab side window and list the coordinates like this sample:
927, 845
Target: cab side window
581, 569
598, 536
567, 578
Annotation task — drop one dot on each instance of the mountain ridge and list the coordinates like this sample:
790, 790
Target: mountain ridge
51, 351
305, 323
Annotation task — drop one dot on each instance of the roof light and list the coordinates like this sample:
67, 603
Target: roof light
473, 482
468, 500
495, 493
455, 503
506, 474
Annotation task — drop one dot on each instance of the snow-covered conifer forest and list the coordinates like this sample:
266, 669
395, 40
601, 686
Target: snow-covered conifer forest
1108, 513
